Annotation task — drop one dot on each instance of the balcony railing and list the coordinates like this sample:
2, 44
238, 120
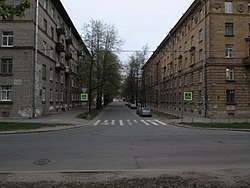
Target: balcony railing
60, 30
69, 41
60, 66
60, 47
68, 55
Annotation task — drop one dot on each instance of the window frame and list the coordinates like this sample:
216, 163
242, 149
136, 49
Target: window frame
8, 62
7, 97
8, 37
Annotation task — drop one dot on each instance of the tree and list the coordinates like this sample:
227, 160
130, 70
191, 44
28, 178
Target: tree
133, 83
103, 42
10, 9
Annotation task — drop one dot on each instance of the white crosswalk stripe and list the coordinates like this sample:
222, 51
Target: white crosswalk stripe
142, 122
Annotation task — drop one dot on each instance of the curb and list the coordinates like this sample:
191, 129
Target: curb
42, 130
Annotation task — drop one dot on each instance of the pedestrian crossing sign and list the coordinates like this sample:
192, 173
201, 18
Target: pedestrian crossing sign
84, 97
188, 96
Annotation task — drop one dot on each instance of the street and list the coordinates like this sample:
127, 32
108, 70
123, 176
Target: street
121, 140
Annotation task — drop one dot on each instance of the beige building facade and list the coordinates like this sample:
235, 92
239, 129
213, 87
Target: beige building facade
39, 56
202, 66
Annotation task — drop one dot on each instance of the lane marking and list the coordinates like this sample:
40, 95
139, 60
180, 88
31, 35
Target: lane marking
113, 122
97, 122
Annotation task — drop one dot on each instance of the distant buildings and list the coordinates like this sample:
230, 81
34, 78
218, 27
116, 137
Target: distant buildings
39, 55
205, 57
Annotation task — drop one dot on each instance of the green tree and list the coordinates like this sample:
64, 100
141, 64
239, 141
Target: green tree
132, 87
17, 9
103, 42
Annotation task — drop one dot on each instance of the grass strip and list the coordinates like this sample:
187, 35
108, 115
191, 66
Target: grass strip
220, 125
12, 126
88, 116
165, 115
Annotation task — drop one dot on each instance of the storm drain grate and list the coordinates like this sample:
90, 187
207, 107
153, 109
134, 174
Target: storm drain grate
41, 162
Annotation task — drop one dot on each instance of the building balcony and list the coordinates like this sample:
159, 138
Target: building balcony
69, 41
60, 47
246, 61
60, 30
60, 66
68, 70
68, 55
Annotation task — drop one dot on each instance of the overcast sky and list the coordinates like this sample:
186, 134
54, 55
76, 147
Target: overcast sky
138, 22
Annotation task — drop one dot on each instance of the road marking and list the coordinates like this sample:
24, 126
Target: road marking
160, 122
129, 122
121, 123
152, 122
106, 122
145, 122
97, 122
135, 121
113, 122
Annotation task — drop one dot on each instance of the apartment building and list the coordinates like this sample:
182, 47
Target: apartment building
202, 66
39, 56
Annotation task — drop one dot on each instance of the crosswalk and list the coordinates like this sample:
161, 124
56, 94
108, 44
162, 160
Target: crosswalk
133, 122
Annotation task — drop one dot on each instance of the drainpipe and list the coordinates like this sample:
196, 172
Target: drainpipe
34, 115
204, 62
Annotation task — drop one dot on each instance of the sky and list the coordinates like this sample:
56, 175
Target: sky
139, 22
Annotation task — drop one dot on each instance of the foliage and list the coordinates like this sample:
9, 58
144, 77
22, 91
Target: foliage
132, 87
102, 69
18, 10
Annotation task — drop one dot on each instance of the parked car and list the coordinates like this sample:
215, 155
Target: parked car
145, 111
133, 106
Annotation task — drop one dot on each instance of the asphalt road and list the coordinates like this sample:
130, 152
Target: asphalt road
121, 140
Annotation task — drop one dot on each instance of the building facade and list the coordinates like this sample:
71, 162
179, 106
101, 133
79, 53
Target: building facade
202, 66
39, 56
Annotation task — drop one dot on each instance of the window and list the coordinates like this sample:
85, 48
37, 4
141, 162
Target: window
7, 39
201, 14
200, 35
51, 74
6, 66
45, 5
186, 47
44, 95
229, 29
61, 96
229, 73
201, 75
229, 50
44, 47
6, 93
56, 96
44, 72
51, 95
62, 78
52, 30
52, 12
45, 25
229, 6
200, 55
230, 96
192, 41
192, 59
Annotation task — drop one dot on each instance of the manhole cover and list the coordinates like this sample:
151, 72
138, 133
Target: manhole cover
41, 161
